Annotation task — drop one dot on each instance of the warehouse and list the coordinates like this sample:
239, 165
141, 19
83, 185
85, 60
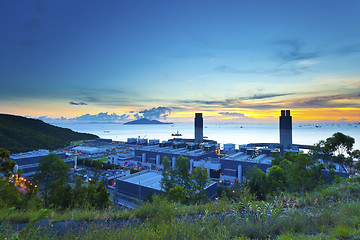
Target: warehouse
153, 155
142, 184
29, 161
89, 150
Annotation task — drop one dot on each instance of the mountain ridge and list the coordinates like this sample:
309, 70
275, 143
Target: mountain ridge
22, 134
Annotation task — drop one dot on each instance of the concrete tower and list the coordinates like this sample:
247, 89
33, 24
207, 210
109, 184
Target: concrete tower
198, 128
285, 129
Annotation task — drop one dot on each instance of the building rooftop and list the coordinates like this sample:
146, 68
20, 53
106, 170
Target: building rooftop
242, 157
150, 179
181, 151
38, 153
87, 149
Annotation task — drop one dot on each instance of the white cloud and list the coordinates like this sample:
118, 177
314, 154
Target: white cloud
307, 63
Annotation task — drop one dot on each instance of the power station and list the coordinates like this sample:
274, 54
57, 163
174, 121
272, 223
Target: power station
285, 127
225, 166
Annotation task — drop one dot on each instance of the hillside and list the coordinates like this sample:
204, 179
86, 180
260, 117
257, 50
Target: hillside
146, 121
20, 134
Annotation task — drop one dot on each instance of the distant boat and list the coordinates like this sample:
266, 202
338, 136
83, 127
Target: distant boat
106, 131
177, 134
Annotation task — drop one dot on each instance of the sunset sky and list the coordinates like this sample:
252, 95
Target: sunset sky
240, 61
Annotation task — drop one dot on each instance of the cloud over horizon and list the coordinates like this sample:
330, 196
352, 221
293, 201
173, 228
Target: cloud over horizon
78, 103
233, 114
100, 117
154, 113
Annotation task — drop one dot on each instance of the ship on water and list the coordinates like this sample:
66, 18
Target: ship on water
177, 134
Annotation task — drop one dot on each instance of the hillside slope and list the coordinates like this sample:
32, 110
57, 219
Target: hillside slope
20, 134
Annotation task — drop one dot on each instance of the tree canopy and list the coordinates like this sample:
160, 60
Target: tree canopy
176, 180
51, 176
6, 164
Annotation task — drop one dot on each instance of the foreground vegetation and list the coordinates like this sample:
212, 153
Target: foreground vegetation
332, 212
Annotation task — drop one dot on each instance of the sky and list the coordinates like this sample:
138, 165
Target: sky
239, 61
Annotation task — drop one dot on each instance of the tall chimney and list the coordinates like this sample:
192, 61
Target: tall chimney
198, 127
285, 129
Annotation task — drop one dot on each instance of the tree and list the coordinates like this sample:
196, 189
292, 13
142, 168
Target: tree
178, 176
101, 196
177, 194
182, 172
166, 180
257, 182
276, 159
356, 154
333, 149
340, 143
6, 164
9, 194
51, 175
62, 196
80, 192
194, 184
276, 179
321, 150
92, 195
166, 163
301, 173
199, 180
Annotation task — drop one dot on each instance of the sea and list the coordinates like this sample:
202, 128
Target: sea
238, 134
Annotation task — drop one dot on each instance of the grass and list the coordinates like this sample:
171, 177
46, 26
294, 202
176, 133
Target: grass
105, 159
159, 209
77, 142
330, 213
292, 224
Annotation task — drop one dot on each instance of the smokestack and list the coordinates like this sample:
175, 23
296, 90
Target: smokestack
198, 127
285, 129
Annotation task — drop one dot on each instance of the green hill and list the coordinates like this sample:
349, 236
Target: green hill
20, 134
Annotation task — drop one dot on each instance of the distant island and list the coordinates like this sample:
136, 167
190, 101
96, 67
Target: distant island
21, 134
146, 121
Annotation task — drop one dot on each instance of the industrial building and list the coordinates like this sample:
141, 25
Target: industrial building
99, 141
235, 166
139, 185
231, 165
121, 159
200, 152
285, 126
89, 150
29, 161
153, 155
198, 126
